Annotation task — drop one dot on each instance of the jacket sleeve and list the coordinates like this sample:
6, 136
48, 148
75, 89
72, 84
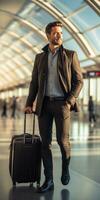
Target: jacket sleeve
33, 88
76, 79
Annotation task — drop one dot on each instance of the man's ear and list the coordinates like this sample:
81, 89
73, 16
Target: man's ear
48, 36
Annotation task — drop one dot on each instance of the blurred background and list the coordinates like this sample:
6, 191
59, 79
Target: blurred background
22, 36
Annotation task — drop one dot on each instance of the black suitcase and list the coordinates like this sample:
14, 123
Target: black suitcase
25, 157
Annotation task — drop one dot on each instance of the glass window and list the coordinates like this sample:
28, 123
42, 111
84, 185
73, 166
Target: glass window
87, 18
30, 6
40, 46
20, 45
41, 19
66, 6
18, 59
66, 34
8, 53
10, 64
7, 39
26, 55
22, 29
93, 38
34, 38
4, 73
19, 28
26, 70
13, 25
19, 73
87, 63
10, 70
30, 53
37, 16
73, 45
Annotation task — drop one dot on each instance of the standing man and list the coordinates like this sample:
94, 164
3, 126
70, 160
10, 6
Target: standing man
56, 82
13, 106
91, 110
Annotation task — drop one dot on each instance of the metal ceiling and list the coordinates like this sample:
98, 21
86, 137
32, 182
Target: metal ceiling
22, 25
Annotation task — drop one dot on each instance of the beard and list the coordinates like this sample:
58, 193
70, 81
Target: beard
57, 42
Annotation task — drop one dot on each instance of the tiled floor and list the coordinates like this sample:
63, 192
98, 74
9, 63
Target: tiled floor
84, 166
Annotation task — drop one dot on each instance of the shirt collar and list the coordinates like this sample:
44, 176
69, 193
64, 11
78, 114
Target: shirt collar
55, 52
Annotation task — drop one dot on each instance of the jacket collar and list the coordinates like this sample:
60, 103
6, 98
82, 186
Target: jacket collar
45, 48
62, 52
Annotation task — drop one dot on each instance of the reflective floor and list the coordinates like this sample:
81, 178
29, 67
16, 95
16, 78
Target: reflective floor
84, 166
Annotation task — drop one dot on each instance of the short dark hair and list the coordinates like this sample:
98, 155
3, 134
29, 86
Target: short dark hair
52, 24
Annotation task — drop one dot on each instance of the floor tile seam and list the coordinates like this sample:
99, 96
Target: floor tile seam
85, 177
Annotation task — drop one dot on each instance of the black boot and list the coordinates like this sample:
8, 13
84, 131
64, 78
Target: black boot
65, 177
47, 186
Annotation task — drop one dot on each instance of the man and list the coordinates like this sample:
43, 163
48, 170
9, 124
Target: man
56, 82
91, 110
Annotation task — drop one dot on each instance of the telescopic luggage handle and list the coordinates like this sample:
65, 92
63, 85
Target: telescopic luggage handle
25, 123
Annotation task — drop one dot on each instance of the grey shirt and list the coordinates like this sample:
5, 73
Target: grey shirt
53, 88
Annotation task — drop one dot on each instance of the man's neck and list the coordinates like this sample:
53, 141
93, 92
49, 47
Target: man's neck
53, 47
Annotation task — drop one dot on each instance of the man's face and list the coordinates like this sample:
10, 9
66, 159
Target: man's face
55, 37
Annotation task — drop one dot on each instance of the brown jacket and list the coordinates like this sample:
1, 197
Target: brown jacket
70, 77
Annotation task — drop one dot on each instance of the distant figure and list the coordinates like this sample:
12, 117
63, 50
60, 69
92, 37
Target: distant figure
91, 110
4, 109
13, 107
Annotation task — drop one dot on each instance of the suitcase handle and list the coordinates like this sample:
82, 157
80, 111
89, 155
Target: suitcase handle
25, 124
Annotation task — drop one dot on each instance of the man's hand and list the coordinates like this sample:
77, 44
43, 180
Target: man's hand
28, 110
69, 105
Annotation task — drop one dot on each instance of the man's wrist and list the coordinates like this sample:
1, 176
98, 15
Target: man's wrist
69, 105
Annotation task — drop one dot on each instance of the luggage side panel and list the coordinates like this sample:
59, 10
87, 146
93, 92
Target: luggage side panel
25, 160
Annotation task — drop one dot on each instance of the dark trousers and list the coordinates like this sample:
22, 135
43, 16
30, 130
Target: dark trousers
59, 111
92, 116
